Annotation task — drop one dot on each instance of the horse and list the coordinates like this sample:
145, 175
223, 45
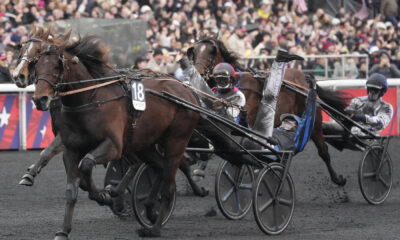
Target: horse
97, 126
209, 51
23, 76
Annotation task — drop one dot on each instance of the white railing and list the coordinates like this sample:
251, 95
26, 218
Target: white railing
342, 57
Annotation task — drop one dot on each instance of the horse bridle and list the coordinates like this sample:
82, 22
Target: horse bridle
52, 49
210, 59
30, 60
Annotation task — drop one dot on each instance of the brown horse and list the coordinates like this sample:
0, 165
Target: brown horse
97, 126
24, 75
208, 52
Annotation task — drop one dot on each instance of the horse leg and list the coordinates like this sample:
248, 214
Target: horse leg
105, 152
323, 152
55, 147
198, 191
71, 195
174, 148
165, 187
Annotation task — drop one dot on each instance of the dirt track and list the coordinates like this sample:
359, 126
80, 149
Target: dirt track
322, 210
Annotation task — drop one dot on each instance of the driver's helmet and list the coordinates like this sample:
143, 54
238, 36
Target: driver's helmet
224, 75
376, 86
289, 121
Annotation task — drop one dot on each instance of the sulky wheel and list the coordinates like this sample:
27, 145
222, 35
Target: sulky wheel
233, 189
374, 177
122, 205
142, 184
273, 210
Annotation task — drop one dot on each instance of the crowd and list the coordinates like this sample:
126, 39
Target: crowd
248, 28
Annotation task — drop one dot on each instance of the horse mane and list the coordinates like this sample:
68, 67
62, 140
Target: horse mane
227, 55
336, 99
92, 53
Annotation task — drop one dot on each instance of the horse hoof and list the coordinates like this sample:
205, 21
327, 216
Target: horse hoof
61, 236
149, 232
105, 199
341, 181
27, 180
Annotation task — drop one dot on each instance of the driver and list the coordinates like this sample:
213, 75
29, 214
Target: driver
294, 132
224, 77
371, 111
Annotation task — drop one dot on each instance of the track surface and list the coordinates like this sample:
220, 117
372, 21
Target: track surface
322, 210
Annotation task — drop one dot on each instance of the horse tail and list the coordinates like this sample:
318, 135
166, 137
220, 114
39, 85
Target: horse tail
336, 99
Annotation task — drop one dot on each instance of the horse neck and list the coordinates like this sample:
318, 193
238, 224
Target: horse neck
77, 72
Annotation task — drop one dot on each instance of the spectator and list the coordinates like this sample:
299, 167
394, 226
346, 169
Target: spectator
140, 63
385, 68
389, 11
157, 63
5, 76
345, 66
321, 68
362, 70
236, 42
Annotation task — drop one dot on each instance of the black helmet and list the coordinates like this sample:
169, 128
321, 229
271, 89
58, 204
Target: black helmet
224, 75
376, 82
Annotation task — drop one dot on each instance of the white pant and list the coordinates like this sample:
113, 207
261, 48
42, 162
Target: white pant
266, 112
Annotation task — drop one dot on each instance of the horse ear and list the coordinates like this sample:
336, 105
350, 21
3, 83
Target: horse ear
46, 34
33, 31
190, 53
66, 36
39, 32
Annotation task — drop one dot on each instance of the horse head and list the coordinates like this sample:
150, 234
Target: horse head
48, 73
205, 55
208, 52
23, 74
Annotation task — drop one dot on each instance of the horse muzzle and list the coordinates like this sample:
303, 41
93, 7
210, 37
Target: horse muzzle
42, 103
21, 75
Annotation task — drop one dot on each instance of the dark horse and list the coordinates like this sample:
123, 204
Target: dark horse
24, 75
97, 126
208, 52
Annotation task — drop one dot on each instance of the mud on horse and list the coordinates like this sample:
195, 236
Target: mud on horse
97, 127
208, 52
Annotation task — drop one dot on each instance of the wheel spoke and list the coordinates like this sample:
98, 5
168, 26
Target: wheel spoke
369, 175
266, 205
383, 181
286, 202
276, 215
268, 188
240, 175
230, 178
246, 186
228, 194
239, 208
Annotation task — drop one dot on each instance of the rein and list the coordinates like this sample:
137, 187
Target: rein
62, 94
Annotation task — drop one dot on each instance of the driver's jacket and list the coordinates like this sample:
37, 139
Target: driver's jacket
235, 99
377, 114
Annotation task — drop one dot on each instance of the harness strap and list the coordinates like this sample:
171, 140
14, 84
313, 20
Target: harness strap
86, 107
62, 94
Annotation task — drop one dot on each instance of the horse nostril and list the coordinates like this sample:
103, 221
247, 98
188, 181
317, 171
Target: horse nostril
43, 100
21, 76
